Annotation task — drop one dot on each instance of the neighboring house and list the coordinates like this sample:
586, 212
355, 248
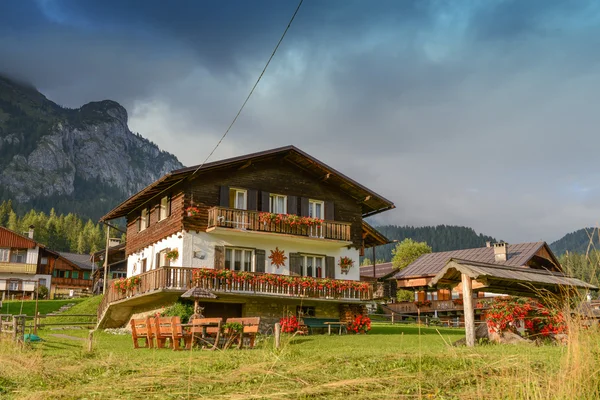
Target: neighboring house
117, 265
23, 264
72, 275
222, 216
380, 274
501, 267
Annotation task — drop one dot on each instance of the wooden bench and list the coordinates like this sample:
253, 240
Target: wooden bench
168, 328
142, 329
251, 325
199, 329
318, 323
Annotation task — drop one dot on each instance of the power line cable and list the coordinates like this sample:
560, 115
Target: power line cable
252, 90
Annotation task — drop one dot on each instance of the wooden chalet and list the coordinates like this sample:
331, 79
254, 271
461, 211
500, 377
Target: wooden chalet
267, 217
25, 263
117, 265
447, 283
379, 275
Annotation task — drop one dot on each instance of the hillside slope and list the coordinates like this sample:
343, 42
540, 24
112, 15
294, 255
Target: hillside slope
576, 242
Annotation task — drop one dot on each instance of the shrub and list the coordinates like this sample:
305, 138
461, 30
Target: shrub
360, 324
179, 309
289, 324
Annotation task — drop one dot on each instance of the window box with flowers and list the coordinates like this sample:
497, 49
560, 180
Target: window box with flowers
345, 264
424, 303
192, 211
172, 255
458, 302
288, 219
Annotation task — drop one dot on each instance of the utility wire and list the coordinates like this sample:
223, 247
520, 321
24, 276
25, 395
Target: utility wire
253, 87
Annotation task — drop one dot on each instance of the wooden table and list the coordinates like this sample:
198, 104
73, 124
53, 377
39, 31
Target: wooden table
204, 325
340, 324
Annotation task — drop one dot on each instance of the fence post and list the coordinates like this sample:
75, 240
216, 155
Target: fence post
90, 340
392, 318
277, 335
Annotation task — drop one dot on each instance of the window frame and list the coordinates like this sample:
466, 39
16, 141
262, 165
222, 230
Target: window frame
312, 208
314, 258
144, 219
272, 199
244, 250
233, 199
164, 210
18, 253
162, 255
5, 252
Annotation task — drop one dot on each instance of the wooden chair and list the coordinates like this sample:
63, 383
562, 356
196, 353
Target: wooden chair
251, 325
163, 330
198, 330
142, 329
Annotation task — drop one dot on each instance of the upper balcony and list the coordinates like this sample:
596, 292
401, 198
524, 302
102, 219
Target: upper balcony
244, 220
18, 268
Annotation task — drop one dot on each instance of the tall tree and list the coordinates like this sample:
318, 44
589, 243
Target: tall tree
408, 251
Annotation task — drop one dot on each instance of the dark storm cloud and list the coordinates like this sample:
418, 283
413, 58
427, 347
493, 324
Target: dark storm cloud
464, 112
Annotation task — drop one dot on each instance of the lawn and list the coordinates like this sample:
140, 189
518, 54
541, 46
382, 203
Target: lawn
28, 306
391, 361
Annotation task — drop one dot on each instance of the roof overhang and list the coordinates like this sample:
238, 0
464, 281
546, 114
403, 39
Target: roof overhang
518, 281
371, 202
372, 237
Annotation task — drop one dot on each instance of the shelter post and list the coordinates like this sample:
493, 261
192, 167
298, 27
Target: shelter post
467, 286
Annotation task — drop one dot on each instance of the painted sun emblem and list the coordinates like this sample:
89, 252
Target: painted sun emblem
277, 257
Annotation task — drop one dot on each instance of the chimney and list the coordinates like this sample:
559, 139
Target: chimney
112, 242
500, 251
30, 233
488, 244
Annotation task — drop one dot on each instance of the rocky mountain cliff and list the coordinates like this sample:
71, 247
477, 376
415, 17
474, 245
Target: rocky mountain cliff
82, 160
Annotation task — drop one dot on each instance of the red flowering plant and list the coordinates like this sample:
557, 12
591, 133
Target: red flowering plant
289, 219
458, 302
359, 324
124, 284
345, 264
192, 211
289, 324
507, 313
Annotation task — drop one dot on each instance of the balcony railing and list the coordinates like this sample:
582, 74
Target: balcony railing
436, 305
182, 279
71, 282
18, 268
250, 221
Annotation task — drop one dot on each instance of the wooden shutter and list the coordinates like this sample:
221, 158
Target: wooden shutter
330, 267
264, 201
295, 264
169, 198
329, 212
224, 196
304, 206
252, 200
219, 257
261, 260
292, 205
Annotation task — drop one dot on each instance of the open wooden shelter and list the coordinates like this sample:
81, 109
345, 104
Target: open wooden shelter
493, 278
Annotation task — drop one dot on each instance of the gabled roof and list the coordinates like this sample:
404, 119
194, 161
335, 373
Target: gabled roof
371, 202
13, 239
381, 270
507, 279
430, 264
80, 260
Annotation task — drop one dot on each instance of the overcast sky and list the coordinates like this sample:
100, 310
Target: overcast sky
476, 113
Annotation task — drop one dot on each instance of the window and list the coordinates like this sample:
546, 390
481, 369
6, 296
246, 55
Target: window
44, 260
60, 273
13, 285
305, 311
313, 266
238, 199
4, 255
42, 282
144, 265
239, 259
144, 219
86, 275
18, 256
161, 259
118, 275
278, 204
164, 209
315, 208
75, 274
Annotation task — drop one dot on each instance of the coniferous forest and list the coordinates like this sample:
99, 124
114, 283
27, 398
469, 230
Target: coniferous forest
59, 232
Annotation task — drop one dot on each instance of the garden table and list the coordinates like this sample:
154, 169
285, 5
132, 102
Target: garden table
340, 324
204, 325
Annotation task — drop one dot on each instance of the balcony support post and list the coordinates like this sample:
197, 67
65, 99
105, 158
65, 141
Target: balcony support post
467, 285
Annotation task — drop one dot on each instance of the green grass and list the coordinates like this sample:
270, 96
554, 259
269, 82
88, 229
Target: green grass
87, 306
390, 362
28, 306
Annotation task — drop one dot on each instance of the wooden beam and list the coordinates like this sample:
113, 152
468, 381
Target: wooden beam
467, 286
326, 177
246, 165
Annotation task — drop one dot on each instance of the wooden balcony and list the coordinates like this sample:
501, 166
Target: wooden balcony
181, 279
243, 220
71, 283
409, 307
18, 268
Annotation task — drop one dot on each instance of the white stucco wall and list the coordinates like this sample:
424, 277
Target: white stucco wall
27, 286
202, 243
134, 261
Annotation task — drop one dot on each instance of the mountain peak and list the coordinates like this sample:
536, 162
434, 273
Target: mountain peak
105, 108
